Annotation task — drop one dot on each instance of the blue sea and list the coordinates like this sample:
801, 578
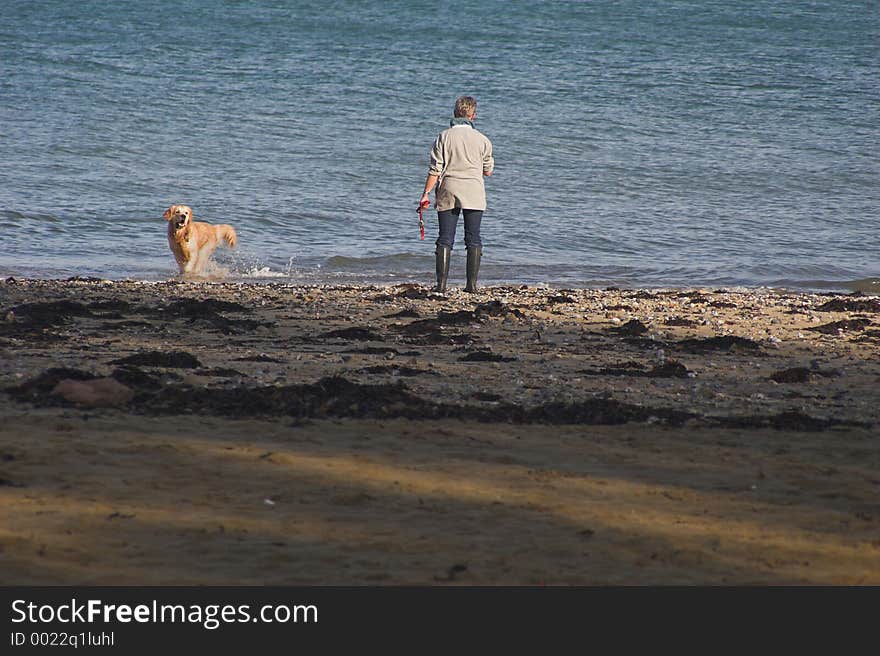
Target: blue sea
658, 144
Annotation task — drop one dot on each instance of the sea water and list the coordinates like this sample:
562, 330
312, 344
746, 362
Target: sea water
675, 143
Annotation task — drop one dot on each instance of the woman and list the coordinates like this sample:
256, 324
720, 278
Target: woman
460, 158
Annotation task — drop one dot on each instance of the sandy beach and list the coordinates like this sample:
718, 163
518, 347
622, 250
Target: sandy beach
214, 433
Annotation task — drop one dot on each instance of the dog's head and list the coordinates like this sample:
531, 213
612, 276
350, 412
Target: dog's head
179, 216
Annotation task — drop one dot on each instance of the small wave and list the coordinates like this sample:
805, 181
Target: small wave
15, 217
868, 285
383, 262
263, 272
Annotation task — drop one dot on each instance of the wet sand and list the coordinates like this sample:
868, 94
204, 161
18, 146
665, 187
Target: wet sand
211, 433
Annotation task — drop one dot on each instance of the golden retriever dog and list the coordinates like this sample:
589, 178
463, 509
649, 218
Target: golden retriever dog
192, 242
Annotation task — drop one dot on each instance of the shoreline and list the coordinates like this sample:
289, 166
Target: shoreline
546, 412
320, 277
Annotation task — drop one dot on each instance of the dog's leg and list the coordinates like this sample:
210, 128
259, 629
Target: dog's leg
205, 253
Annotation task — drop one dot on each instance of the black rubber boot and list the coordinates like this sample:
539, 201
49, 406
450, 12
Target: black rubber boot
443, 253
473, 268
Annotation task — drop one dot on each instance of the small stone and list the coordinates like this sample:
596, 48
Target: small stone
100, 392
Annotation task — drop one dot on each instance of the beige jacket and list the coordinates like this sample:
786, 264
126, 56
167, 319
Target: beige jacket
459, 157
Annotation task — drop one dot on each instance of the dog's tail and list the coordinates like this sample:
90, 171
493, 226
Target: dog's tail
227, 232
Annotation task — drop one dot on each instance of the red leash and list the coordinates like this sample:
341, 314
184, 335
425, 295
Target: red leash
422, 207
